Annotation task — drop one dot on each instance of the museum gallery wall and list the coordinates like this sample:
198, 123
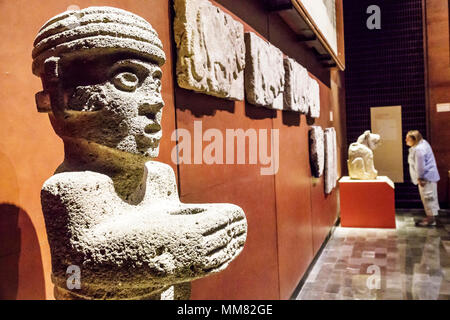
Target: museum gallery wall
289, 213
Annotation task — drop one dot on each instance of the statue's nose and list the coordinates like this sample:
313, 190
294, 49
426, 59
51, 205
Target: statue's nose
150, 109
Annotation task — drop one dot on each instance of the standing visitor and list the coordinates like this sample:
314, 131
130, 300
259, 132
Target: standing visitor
424, 173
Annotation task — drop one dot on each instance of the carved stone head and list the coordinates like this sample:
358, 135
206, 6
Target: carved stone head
100, 69
370, 140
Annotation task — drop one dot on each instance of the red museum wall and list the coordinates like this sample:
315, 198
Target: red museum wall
288, 214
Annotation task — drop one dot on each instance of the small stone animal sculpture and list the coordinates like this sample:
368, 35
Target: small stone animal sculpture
360, 157
111, 213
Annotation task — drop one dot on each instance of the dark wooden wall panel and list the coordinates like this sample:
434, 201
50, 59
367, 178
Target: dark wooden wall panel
438, 53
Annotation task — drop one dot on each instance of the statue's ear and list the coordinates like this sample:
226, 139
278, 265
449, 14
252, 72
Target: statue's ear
43, 102
52, 70
52, 98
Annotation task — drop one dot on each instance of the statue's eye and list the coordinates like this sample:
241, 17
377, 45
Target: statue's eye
157, 74
126, 81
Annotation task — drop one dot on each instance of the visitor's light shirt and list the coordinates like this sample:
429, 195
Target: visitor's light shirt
422, 164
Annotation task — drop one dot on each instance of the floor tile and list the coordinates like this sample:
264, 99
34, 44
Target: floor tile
408, 262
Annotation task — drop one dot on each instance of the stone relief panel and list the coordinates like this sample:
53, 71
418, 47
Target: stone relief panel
330, 170
264, 73
314, 98
110, 210
316, 150
296, 86
211, 49
335, 156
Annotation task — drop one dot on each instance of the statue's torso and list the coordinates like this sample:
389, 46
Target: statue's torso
158, 241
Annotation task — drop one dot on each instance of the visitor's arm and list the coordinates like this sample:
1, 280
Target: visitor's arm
420, 164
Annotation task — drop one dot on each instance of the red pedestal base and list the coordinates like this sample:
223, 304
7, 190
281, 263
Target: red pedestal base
367, 203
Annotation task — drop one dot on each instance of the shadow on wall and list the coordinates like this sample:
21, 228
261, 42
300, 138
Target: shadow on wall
258, 113
290, 118
20, 256
201, 104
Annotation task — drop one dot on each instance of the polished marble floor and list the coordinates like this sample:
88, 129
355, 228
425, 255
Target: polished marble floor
405, 263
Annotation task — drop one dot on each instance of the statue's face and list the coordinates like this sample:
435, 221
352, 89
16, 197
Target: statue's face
113, 102
374, 140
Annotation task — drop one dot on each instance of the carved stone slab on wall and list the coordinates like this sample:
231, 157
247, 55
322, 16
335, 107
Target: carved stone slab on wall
264, 73
317, 152
335, 157
296, 86
314, 98
331, 174
211, 49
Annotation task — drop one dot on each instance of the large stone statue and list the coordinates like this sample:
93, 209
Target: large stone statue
110, 212
360, 157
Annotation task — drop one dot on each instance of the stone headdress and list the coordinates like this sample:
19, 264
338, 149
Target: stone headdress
95, 30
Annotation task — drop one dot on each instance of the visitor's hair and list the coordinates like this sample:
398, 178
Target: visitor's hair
415, 135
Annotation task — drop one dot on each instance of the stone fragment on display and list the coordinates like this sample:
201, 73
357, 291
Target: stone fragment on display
335, 155
316, 153
330, 170
296, 86
264, 73
210, 49
314, 98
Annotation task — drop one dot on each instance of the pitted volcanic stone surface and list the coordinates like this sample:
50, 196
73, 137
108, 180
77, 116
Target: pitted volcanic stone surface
93, 29
314, 98
109, 209
296, 86
330, 170
264, 73
211, 49
145, 247
316, 151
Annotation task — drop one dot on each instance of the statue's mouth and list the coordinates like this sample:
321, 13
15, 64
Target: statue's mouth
151, 135
147, 140
152, 128
151, 113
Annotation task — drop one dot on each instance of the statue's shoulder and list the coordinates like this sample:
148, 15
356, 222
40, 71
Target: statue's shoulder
156, 165
358, 148
357, 145
161, 182
78, 182
159, 168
